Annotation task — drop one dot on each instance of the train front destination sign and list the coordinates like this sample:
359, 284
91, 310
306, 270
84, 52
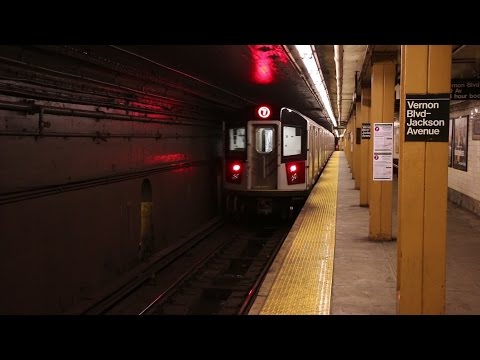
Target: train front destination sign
426, 117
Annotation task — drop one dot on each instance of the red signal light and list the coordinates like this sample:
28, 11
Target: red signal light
295, 172
234, 171
264, 112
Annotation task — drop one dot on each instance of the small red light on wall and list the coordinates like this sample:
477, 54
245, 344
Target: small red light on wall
293, 168
263, 112
236, 167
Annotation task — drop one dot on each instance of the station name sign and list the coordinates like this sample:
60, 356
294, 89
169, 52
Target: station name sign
426, 117
465, 89
365, 130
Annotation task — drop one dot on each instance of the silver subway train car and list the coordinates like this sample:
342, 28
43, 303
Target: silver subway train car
272, 160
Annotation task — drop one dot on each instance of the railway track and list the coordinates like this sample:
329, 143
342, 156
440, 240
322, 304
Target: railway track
228, 280
219, 271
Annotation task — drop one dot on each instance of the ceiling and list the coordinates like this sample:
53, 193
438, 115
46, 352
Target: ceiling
465, 61
242, 75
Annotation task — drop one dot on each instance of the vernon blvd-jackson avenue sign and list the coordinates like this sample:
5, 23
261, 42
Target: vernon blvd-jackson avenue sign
426, 117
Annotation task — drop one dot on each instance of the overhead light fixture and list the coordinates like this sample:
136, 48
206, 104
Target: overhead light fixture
316, 76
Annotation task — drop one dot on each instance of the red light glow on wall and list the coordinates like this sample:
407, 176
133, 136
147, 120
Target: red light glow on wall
164, 158
265, 59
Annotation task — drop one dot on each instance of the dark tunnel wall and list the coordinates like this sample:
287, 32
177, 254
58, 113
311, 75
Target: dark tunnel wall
59, 249
70, 190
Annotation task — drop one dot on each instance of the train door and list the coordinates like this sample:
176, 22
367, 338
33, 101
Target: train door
263, 165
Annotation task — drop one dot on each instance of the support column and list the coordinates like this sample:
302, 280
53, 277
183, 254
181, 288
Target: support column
348, 151
383, 103
370, 152
351, 121
423, 182
365, 159
358, 126
345, 143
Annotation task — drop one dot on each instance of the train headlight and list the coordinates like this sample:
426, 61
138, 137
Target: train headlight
295, 172
234, 171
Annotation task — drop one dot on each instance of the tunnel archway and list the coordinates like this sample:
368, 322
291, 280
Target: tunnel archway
146, 218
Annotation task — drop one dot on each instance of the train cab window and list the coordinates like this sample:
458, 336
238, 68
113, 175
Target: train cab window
236, 139
292, 141
264, 140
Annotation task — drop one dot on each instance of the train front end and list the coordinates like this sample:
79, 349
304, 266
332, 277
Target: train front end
265, 162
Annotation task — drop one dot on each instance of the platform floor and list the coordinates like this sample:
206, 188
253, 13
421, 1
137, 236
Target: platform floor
362, 279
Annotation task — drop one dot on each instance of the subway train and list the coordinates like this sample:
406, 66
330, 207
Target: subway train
273, 157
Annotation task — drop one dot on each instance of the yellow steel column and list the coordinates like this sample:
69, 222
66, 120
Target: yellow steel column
365, 159
356, 147
352, 127
400, 173
348, 144
422, 205
370, 151
345, 139
382, 107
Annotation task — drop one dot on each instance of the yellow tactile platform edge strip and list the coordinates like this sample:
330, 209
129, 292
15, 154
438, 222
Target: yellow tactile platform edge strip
304, 283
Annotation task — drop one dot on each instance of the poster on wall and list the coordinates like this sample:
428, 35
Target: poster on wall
460, 143
382, 151
476, 125
450, 142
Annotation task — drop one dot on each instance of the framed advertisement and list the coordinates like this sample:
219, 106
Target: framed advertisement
460, 143
450, 142
476, 125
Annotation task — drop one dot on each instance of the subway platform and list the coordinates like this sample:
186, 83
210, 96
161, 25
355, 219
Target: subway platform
327, 264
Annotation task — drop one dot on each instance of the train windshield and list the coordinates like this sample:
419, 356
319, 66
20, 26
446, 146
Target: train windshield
292, 141
237, 139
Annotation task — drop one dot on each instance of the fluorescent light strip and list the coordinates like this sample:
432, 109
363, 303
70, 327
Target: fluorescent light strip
306, 53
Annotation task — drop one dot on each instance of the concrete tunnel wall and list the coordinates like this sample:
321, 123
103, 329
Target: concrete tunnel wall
59, 248
70, 205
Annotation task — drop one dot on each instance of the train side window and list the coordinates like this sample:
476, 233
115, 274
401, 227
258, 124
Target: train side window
264, 140
292, 141
236, 139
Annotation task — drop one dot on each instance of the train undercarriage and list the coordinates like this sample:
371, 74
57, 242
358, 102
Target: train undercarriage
285, 207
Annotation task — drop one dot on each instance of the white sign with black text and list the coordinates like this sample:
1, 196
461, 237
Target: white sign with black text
382, 151
382, 167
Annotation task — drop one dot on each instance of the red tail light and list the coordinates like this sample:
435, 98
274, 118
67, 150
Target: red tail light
295, 172
234, 171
